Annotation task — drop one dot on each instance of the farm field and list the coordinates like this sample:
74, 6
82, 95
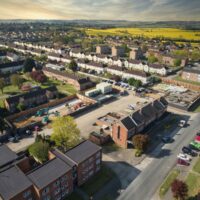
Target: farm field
171, 33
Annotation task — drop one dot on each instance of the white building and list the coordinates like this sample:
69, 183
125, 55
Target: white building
104, 87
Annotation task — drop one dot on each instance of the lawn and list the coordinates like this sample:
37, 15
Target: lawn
193, 182
197, 109
98, 181
171, 33
168, 181
64, 88
196, 167
178, 78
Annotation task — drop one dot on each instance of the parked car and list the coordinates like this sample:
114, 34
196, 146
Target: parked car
184, 157
167, 139
188, 151
198, 133
197, 139
13, 139
182, 162
195, 145
182, 123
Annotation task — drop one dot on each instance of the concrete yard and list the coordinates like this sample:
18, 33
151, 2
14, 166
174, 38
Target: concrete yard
85, 122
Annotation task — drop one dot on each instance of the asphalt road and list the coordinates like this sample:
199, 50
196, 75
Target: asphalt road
146, 184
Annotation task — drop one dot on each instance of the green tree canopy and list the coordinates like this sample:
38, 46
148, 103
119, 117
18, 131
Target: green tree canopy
29, 64
134, 82
16, 80
73, 65
152, 59
2, 84
65, 132
39, 150
177, 62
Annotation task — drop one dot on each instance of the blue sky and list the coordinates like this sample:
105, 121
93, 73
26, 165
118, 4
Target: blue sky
134, 10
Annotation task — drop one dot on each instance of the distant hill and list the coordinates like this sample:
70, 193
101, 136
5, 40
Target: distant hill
194, 25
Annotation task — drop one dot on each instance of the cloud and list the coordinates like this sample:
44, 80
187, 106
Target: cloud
136, 10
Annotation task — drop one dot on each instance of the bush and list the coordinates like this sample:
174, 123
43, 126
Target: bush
138, 153
39, 150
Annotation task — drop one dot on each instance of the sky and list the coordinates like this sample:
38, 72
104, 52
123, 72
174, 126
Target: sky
132, 10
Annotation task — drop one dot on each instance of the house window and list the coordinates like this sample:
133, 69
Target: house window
46, 198
57, 183
91, 159
98, 155
98, 161
118, 132
26, 194
45, 191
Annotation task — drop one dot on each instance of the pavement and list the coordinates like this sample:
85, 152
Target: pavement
146, 184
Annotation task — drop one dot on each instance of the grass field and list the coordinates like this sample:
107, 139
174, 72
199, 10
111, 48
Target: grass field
178, 78
168, 181
98, 181
171, 33
196, 167
193, 182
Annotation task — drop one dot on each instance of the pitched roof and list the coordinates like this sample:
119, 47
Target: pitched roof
28, 95
138, 117
12, 182
82, 151
6, 155
49, 172
11, 64
192, 70
137, 73
128, 123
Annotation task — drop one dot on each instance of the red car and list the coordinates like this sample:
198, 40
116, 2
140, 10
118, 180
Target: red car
182, 162
197, 138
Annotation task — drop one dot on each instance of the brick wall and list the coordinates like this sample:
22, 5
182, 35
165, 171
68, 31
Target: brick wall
180, 83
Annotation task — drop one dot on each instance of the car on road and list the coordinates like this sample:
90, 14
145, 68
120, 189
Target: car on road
184, 157
195, 145
182, 123
198, 133
167, 139
183, 162
189, 151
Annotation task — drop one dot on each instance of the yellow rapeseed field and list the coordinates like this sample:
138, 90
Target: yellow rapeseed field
171, 33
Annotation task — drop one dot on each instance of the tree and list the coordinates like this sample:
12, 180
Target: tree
152, 59
73, 66
2, 84
177, 62
140, 141
179, 189
29, 64
38, 76
65, 132
39, 150
134, 82
21, 106
16, 80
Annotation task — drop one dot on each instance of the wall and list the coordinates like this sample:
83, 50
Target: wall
180, 83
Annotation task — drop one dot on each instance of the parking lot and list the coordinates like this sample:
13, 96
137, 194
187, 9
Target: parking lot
85, 122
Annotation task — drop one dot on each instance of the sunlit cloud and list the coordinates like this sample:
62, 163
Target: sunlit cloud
136, 10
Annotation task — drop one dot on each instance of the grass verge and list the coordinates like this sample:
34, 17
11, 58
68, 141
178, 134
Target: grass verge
196, 167
94, 184
168, 181
193, 182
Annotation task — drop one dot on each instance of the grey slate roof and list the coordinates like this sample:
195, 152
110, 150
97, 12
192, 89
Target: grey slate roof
12, 182
63, 157
6, 155
128, 123
82, 151
49, 172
